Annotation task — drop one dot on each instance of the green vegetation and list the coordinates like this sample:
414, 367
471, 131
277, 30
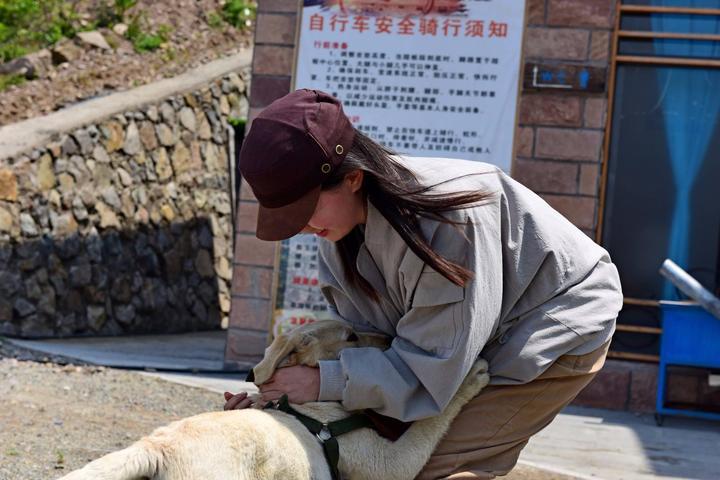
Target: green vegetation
142, 40
237, 121
29, 25
60, 458
8, 80
239, 13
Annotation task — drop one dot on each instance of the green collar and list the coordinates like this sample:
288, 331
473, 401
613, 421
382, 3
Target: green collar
326, 432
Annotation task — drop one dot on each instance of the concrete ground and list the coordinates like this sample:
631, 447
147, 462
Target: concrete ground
580, 443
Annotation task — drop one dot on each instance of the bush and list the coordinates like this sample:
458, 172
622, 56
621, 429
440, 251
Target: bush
239, 13
144, 41
8, 80
29, 25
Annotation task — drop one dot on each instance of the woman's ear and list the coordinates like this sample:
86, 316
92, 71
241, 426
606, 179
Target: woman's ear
355, 180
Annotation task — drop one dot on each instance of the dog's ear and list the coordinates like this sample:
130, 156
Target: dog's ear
278, 350
289, 361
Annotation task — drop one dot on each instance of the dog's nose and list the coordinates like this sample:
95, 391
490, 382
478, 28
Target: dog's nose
250, 376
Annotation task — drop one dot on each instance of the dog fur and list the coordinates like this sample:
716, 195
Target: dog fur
254, 444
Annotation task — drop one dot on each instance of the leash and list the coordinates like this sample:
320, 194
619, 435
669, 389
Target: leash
327, 433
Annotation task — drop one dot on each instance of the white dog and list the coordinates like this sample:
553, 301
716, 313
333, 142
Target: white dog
255, 444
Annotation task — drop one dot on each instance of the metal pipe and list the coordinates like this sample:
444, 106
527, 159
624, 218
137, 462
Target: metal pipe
690, 287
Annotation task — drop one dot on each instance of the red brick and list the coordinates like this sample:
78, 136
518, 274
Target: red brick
600, 45
247, 214
576, 13
251, 313
272, 60
277, 6
536, 12
547, 177
275, 28
595, 111
568, 144
252, 281
525, 140
643, 388
254, 112
556, 43
246, 192
589, 175
550, 109
250, 250
244, 348
267, 89
579, 210
609, 389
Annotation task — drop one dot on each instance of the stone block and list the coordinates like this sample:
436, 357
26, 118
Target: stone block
536, 12
8, 185
595, 112
589, 177
564, 144
547, 177
275, 29
550, 109
250, 250
252, 281
247, 214
246, 192
600, 45
252, 313
579, 210
643, 388
556, 43
244, 348
272, 60
266, 89
525, 140
609, 389
576, 13
277, 6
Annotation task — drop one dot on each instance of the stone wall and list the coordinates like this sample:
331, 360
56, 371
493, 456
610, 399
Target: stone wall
124, 225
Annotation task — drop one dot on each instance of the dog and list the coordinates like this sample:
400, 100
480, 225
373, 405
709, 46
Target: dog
264, 444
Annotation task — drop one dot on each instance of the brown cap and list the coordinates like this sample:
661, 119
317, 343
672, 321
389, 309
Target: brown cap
292, 147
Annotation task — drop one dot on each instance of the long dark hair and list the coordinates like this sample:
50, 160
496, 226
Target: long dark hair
401, 198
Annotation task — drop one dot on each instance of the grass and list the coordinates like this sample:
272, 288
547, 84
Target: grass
10, 80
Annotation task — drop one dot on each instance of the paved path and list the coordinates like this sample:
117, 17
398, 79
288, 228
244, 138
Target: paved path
582, 443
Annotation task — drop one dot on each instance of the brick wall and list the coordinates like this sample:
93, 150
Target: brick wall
561, 135
560, 139
254, 259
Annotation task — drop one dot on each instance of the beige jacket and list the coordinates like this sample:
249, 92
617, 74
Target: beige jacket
541, 289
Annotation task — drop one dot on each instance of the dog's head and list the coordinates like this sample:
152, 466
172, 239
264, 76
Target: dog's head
310, 343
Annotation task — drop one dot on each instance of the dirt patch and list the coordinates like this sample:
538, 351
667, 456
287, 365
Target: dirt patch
56, 418
191, 42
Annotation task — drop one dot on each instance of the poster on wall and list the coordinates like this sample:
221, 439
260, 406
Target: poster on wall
433, 78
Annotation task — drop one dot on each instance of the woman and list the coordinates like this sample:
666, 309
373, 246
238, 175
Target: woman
451, 258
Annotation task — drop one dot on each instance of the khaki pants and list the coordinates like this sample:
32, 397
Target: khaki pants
486, 437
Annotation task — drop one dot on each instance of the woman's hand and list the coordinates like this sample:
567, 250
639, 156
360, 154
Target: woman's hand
237, 401
300, 383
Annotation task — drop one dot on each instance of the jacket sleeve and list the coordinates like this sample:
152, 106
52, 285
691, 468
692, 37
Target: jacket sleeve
437, 339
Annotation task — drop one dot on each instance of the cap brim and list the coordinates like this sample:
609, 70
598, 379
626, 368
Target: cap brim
283, 222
